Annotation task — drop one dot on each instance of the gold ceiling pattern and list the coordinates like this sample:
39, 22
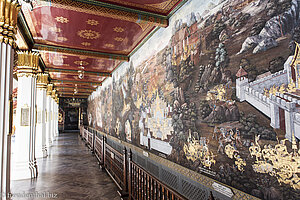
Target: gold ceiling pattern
82, 43
89, 34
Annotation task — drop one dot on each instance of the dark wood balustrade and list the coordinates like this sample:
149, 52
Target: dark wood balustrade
144, 186
134, 182
114, 165
99, 149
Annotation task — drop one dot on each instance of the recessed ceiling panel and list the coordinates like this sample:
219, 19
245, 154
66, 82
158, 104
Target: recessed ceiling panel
75, 29
54, 60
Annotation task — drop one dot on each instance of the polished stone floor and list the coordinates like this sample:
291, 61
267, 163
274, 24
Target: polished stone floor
69, 173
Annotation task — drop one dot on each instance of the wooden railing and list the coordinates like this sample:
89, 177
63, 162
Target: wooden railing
144, 186
99, 149
134, 182
114, 165
90, 139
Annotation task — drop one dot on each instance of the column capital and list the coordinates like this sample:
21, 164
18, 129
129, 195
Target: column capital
28, 63
53, 95
49, 89
42, 80
9, 10
56, 98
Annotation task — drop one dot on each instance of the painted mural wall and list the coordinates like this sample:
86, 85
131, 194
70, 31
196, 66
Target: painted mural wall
216, 92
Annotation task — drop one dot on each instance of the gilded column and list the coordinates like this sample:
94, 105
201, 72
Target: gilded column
41, 147
24, 157
8, 23
48, 116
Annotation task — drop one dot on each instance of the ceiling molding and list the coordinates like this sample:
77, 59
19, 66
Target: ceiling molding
112, 11
103, 74
78, 86
75, 96
177, 7
76, 52
71, 93
24, 30
69, 81
64, 89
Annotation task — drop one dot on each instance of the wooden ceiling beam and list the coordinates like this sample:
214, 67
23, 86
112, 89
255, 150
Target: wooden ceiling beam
73, 87
71, 93
103, 74
78, 52
76, 97
79, 82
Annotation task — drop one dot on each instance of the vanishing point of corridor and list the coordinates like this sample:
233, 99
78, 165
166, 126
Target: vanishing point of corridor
69, 173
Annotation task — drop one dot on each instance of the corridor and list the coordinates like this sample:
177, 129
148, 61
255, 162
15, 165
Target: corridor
70, 172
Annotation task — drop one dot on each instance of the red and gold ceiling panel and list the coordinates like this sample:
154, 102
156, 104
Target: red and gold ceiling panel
162, 7
91, 36
56, 60
62, 76
73, 28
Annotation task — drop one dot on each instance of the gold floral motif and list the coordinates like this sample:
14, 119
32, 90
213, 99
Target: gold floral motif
55, 29
118, 29
62, 39
62, 20
81, 62
88, 34
119, 39
92, 22
109, 45
86, 44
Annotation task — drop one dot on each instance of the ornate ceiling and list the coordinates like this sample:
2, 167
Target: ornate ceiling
81, 42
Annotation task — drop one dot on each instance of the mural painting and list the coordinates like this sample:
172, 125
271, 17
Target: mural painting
222, 97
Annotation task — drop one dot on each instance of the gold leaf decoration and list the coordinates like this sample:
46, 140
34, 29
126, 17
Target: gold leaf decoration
118, 29
119, 39
62, 20
81, 62
92, 22
109, 45
88, 34
86, 44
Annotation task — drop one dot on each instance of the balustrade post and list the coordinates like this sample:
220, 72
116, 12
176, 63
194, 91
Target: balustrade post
125, 171
93, 142
129, 174
103, 152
